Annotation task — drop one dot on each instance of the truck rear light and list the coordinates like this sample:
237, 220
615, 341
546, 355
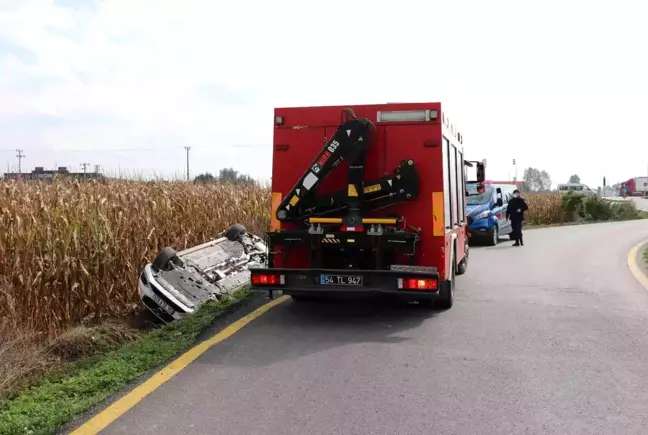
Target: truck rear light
268, 279
407, 115
417, 284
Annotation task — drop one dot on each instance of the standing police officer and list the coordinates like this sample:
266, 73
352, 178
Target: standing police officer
515, 212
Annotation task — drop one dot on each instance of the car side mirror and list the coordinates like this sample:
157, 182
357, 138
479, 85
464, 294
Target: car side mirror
500, 202
481, 172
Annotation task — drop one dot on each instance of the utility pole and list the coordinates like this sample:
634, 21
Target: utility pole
85, 168
187, 148
97, 168
515, 166
20, 156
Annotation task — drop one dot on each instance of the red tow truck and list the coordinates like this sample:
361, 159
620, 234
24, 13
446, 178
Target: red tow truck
368, 199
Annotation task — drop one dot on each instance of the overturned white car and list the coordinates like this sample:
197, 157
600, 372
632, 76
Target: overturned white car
177, 283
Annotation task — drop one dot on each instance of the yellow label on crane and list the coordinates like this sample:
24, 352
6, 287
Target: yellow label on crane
372, 188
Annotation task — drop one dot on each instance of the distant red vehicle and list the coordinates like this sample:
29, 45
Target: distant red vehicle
637, 186
368, 199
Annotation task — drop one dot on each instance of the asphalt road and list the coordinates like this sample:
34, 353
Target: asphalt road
551, 337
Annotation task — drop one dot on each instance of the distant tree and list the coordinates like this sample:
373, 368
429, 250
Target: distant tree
536, 180
574, 179
226, 175
231, 175
205, 178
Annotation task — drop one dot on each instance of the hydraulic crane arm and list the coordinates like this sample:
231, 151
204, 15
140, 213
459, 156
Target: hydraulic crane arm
352, 140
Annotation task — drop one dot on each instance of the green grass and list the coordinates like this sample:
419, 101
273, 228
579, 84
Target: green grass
57, 398
645, 255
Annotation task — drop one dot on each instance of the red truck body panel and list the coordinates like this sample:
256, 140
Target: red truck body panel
304, 131
636, 186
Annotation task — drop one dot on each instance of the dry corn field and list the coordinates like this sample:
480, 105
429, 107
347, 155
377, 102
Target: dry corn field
72, 251
544, 208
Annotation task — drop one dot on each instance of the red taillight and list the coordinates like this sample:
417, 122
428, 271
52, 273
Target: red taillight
417, 284
267, 279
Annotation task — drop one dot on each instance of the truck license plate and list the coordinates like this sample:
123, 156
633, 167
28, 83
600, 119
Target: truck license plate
341, 279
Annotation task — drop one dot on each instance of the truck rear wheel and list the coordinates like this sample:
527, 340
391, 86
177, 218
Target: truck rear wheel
446, 292
463, 264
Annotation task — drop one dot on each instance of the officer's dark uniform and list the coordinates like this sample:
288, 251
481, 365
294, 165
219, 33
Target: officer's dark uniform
516, 217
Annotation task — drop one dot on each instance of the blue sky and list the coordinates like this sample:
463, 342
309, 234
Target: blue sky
556, 85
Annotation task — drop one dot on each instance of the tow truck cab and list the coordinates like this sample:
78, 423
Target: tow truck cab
367, 199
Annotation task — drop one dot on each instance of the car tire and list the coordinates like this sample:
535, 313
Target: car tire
234, 232
164, 259
493, 236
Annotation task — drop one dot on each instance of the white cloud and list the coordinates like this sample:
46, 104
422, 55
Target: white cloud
551, 84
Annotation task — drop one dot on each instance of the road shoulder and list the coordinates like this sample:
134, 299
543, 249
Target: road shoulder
637, 263
231, 315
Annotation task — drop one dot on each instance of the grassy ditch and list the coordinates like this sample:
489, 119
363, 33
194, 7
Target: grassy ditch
58, 396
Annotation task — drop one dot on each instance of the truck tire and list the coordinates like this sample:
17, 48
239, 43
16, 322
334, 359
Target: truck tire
234, 232
164, 259
493, 236
463, 264
446, 293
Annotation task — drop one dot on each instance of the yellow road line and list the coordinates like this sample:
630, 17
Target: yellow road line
118, 408
639, 274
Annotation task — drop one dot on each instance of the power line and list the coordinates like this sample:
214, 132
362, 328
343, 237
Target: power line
113, 150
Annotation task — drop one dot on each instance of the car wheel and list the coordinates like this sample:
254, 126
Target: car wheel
234, 232
493, 238
164, 259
